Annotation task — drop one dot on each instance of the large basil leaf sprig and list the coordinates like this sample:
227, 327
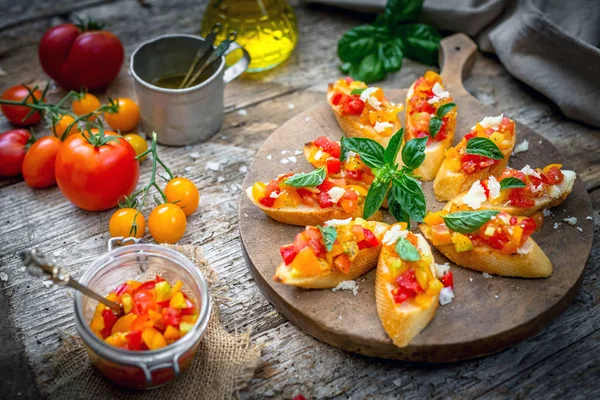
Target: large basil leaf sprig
369, 52
406, 200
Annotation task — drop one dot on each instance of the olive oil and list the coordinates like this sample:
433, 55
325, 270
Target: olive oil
267, 29
168, 82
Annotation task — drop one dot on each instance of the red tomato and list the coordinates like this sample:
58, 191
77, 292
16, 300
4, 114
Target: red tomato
326, 185
13, 147
474, 162
357, 175
328, 146
39, 162
324, 200
369, 241
407, 287
16, 114
109, 320
448, 279
334, 165
554, 176
171, 316
352, 105
142, 302
123, 288
343, 263
134, 340
76, 57
288, 253
96, 177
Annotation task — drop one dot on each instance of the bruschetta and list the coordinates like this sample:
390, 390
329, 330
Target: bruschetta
325, 153
517, 192
363, 111
501, 246
309, 205
406, 286
430, 112
482, 152
322, 257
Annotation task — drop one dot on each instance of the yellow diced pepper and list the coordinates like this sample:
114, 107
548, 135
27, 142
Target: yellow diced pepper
178, 300
153, 338
163, 291
423, 300
171, 334
259, 190
118, 339
434, 287
461, 242
127, 302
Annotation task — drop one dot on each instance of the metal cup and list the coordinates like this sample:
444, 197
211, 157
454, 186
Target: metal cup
180, 116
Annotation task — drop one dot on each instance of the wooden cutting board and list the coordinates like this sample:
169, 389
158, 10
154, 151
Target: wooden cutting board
487, 314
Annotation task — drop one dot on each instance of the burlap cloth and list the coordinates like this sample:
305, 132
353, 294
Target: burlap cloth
223, 365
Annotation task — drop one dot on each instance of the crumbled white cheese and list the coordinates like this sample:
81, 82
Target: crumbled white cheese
379, 229
589, 217
275, 195
347, 285
526, 248
307, 119
47, 284
439, 93
556, 225
393, 234
470, 279
350, 154
382, 126
318, 155
579, 229
547, 212
220, 179
475, 196
291, 106
213, 166
338, 222
3, 276
441, 269
537, 189
504, 218
527, 170
336, 193
492, 122
493, 186
367, 97
446, 295
486, 275
243, 112
243, 169
298, 152
554, 191
496, 296
269, 157
285, 161
284, 151
292, 159
570, 220
521, 147
195, 155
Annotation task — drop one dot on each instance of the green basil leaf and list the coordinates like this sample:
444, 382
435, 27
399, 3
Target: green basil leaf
421, 42
390, 52
435, 124
468, 221
407, 251
484, 147
371, 153
397, 11
314, 178
375, 197
394, 206
329, 234
357, 91
410, 196
345, 67
359, 42
413, 153
369, 70
444, 109
391, 151
511, 183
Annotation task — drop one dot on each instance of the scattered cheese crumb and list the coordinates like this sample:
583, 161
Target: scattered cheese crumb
486, 275
336, 193
318, 155
470, 279
441, 269
589, 217
195, 155
338, 222
298, 152
367, 97
285, 161
339, 317
291, 106
213, 166
556, 225
187, 169
382, 126
446, 295
439, 93
57, 252
275, 195
475, 196
547, 212
496, 296
526, 248
307, 119
492, 122
521, 147
527, 170
243, 169
243, 112
269, 157
393, 234
3, 276
284, 151
47, 284
350, 153
245, 215
2, 72
579, 229
493, 187
570, 220
346, 285
292, 159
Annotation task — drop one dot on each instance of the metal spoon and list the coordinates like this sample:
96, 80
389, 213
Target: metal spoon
200, 57
219, 51
37, 267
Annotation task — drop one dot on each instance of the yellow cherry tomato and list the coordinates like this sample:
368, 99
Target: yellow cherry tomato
184, 194
138, 143
167, 223
125, 118
86, 104
122, 223
63, 123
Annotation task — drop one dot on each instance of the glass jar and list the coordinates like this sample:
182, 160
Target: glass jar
267, 29
141, 262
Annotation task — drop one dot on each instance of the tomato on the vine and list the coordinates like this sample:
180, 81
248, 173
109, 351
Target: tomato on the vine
183, 193
138, 143
167, 223
59, 128
16, 114
94, 171
39, 162
13, 146
125, 117
127, 222
85, 104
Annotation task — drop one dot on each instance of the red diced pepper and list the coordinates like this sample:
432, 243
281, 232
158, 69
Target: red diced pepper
353, 105
142, 302
288, 253
123, 288
328, 146
369, 241
448, 279
326, 185
159, 279
171, 316
354, 174
109, 320
333, 165
335, 100
267, 201
348, 80
318, 248
407, 286
148, 285
134, 340
189, 308
324, 200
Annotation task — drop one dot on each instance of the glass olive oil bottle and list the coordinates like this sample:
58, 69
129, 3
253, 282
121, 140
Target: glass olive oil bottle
267, 29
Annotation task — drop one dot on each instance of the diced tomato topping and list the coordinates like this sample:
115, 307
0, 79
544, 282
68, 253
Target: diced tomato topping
554, 176
369, 241
303, 192
328, 146
357, 175
448, 279
529, 226
470, 135
343, 263
158, 278
313, 233
324, 200
407, 287
352, 105
474, 162
134, 340
318, 248
484, 183
300, 242
335, 99
326, 185
148, 285
348, 80
267, 201
189, 308
171, 316
518, 197
123, 288
109, 319
273, 186
288, 253
143, 301
333, 165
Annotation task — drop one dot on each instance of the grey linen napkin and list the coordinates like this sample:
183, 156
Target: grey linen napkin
551, 45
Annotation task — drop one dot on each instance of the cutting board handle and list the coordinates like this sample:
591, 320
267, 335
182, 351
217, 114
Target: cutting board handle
457, 55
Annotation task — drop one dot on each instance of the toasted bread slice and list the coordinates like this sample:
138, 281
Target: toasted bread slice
303, 215
402, 322
365, 261
552, 199
533, 264
434, 152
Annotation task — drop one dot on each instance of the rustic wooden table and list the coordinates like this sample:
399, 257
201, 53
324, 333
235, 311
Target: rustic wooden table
563, 359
